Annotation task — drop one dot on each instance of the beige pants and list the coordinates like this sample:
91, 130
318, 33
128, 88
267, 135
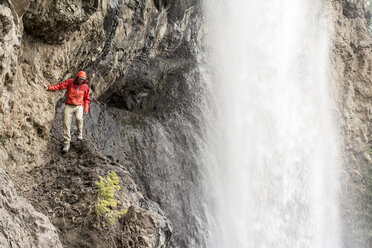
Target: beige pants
70, 111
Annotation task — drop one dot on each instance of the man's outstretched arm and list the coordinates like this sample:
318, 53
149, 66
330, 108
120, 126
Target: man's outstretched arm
60, 86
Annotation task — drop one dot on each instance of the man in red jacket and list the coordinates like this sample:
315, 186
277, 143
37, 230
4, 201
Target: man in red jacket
77, 102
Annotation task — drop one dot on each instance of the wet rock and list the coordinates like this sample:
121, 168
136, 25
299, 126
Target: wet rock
351, 72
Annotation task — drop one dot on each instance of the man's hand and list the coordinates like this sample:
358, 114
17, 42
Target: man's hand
85, 113
46, 87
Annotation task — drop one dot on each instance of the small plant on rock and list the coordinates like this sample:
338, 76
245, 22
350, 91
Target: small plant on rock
106, 205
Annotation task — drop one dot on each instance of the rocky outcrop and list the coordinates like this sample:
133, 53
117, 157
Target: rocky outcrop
65, 192
352, 73
20, 224
55, 21
141, 229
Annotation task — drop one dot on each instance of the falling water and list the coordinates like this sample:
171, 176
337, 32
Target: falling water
274, 180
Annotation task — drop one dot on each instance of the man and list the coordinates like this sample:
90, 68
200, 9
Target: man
77, 102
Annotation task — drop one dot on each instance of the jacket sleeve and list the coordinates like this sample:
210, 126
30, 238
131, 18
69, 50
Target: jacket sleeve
86, 101
60, 86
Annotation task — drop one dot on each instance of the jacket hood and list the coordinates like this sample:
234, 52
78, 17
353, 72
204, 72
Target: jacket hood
81, 74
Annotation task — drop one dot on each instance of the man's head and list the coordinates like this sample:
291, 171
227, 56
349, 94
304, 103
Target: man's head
81, 77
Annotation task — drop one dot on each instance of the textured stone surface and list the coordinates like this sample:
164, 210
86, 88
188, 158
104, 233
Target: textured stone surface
54, 21
140, 229
65, 192
351, 60
9, 47
20, 224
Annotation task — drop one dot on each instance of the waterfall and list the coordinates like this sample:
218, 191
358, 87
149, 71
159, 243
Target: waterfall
273, 163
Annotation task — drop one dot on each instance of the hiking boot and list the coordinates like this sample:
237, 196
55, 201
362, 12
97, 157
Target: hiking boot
80, 137
66, 147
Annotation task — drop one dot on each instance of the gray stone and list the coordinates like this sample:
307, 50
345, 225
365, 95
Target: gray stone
20, 224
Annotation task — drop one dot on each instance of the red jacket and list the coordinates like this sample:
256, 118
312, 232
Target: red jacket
76, 94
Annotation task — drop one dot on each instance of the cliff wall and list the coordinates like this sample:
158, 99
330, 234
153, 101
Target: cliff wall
351, 73
129, 48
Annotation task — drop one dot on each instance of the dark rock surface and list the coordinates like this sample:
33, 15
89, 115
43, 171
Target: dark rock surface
53, 21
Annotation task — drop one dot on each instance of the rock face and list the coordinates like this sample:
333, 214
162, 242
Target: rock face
21, 225
9, 47
139, 56
352, 74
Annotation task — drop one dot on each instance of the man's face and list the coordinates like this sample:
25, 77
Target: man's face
80, 80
